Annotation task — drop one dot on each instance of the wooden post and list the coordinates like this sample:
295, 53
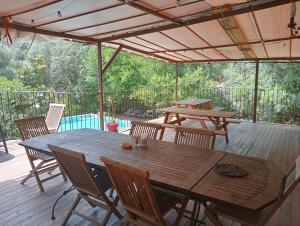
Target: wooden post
176, 82
255, 92
100, 85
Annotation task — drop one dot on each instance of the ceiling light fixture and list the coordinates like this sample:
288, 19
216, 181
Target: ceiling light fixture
59, 14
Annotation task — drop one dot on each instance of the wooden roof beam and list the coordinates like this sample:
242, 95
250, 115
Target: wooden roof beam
32, 9
112, 59
25, 28
180, 43
204, 17
150, 48
259, 33
149, 11
129, 17
144, 52
167, 50
287, 59
80, 14
231, 45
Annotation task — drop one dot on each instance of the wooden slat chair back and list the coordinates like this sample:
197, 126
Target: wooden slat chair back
77, 171
30, 128
260, 218
54, 116
136, 194
195, 137
87, 183
138, 128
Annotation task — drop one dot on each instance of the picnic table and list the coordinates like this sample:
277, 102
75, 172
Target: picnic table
218, 118
194, 103
185, 169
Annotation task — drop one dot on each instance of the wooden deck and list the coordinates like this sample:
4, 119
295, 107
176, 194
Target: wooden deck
25, 205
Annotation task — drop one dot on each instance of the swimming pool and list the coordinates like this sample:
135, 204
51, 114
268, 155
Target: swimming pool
91, 121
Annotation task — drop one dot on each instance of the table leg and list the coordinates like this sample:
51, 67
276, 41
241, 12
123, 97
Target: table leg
166, 117
203, 124
225, 128
177, 117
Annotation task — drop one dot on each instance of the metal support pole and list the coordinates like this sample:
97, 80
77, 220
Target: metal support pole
255, 92
100, 88
176, 81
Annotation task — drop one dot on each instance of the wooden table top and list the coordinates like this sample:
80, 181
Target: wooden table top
256, 190
196, 112
193, 101
172, 165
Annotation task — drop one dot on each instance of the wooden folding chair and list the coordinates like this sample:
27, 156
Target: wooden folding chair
257, 218
34, 127
54, 116
138, 128
91, 184
139, 199
198, 138
195, 137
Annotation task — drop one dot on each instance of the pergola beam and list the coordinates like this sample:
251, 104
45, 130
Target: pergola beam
100, 86
242, 59
25, 28
204, 17
231, 45
176, 81
254, 115
144, 52
116, 53
149, 11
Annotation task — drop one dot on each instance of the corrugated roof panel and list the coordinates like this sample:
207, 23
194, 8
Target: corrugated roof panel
259, 50
162, 40
296, 48
193, 54
94, 18
232, 52
183, 35
211, 54
117, 26
67, 8
144, 43
224, 2
273, 22
247, 25
278, 49
212, 32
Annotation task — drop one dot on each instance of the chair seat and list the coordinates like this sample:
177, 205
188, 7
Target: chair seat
165, 200
245, 216
41, 156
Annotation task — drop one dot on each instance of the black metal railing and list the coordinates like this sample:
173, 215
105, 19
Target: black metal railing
82, 109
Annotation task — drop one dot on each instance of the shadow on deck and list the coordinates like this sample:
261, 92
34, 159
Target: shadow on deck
25, 205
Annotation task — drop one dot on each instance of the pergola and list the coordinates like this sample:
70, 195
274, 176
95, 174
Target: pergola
174, 31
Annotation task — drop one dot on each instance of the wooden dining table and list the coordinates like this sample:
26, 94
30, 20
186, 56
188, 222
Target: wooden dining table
185, 169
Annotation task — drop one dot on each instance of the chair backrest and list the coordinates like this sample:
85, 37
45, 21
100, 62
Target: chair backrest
138, 128
32, 127
195, 137
134, 190
289, 182
77, 170
54, 116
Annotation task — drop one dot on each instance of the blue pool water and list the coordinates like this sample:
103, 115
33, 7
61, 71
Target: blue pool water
91, 121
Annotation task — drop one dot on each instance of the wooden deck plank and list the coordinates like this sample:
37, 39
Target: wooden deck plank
25, 205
